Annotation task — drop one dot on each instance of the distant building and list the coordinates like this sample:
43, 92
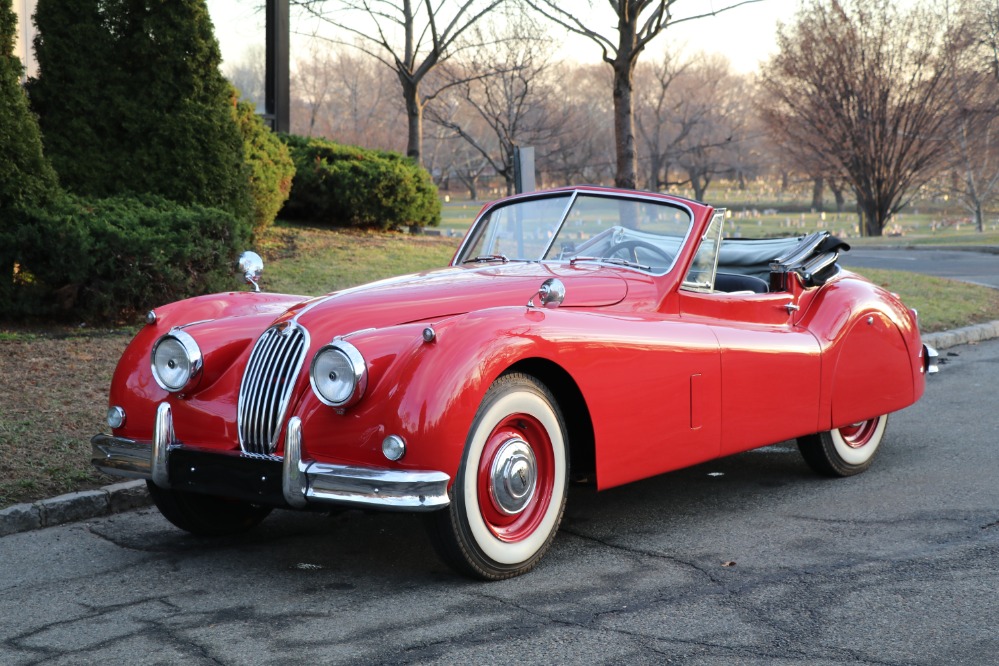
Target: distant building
25, 36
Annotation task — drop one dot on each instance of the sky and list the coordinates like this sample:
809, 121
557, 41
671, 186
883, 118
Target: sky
745, 35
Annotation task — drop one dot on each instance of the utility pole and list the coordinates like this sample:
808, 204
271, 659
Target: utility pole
277, 98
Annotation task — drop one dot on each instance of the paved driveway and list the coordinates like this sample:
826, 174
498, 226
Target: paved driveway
746, 560
977, 267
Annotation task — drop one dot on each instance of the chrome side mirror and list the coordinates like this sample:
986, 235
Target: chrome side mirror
251, 265
550, 295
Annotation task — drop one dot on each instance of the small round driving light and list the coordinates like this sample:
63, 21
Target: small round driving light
339, 375
176, 361
394, 447
116, 417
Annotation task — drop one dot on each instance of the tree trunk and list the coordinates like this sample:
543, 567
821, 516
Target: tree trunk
979, 217
872, 223
414, 116
624, 127
838, 194
818, 186
700, 187
655, 167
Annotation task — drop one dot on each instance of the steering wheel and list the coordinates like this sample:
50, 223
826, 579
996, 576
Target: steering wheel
632, 247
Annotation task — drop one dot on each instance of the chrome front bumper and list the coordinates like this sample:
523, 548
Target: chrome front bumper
302, 483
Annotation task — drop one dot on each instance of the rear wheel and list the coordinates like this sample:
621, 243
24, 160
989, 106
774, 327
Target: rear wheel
206, 515
844, 451
509, 494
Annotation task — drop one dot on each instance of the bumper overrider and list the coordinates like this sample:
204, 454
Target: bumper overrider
266, 479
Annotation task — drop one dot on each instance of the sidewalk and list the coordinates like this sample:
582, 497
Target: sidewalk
130, 495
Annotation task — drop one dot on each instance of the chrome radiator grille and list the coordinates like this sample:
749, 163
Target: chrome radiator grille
267, 384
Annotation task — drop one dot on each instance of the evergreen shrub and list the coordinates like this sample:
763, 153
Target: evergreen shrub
347, 186
109, 259
130, 99
270, 163
25, 175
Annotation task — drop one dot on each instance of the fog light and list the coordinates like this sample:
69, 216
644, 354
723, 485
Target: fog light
116, 417
393, 447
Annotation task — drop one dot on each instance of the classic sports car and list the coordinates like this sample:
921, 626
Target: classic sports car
614, 330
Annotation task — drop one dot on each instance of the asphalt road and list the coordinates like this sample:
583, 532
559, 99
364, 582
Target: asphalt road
895, 566
967, 266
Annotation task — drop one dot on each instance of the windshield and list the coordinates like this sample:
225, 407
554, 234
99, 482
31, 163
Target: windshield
641, 233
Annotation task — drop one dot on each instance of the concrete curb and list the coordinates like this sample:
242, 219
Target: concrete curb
68, 508
133, 494
963, 336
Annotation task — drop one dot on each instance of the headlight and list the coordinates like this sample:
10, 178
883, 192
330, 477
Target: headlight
338, 374
176, 361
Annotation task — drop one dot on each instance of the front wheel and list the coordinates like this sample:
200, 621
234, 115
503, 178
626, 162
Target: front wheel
844, 451
509, 494
206, 515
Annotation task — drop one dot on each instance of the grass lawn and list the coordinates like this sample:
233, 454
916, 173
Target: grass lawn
54, 382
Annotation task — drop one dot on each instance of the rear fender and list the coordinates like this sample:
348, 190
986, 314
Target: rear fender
871, 351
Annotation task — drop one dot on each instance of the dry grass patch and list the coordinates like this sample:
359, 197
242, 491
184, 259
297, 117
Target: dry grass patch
55, 393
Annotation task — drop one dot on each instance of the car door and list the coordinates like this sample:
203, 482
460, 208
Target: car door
770, 367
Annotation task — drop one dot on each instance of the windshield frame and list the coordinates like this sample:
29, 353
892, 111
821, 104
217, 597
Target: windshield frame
474, 232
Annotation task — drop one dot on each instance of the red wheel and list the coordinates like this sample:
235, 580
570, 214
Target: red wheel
844, 451
509, 494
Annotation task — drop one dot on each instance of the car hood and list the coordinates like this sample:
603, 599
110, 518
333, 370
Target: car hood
453, 291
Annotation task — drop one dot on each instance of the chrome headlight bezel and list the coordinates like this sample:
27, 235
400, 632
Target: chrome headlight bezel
357, 375
192, 356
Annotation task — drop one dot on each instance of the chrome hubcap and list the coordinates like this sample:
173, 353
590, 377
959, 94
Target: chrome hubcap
513, 476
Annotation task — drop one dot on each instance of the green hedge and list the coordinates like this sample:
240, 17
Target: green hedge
109, 259
347, 186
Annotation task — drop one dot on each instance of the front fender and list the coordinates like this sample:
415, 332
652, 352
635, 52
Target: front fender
425, 392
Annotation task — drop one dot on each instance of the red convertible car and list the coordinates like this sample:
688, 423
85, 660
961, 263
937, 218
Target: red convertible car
612, 333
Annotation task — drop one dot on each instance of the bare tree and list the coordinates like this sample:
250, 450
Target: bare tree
499, 90
411, 37
583, 152
857, 84
343, 95
691, 119
637, 22
972, 88
658, 108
